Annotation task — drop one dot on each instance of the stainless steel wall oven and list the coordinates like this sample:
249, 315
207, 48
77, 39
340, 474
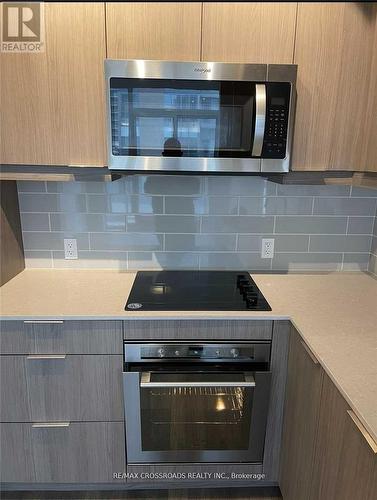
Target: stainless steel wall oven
196, 402
203, 117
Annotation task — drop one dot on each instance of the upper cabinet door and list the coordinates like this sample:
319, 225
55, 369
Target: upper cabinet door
337, 87
248, 32
153, 30
53, 102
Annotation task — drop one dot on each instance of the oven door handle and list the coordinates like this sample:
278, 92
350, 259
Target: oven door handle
146, 383
260, 118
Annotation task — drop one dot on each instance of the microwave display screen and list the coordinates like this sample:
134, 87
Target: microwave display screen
151, 117
278, 101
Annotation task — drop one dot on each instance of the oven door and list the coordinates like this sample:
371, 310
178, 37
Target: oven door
185, 116
196, 416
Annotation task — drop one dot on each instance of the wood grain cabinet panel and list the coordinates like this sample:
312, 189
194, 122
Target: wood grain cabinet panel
61, 337
248, 32
74, 388
198, 329
78, 453
303, 395
345, 463
337, 87
154, 30
53, 102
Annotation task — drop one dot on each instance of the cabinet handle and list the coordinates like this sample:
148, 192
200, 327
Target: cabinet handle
43, 322
368, 438
46, 356
42, 425
309, 352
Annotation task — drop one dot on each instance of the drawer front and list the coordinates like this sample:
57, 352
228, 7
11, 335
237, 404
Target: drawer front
198, 329
74, 387
68, 337
73, 453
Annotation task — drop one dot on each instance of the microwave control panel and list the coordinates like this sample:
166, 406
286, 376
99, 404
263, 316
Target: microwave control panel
277, 114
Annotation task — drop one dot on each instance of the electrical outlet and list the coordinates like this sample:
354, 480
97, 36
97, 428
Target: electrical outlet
70, 248
267, 248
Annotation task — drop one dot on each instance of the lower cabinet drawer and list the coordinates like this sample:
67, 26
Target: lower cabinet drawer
73, 387
58, 336
74, 453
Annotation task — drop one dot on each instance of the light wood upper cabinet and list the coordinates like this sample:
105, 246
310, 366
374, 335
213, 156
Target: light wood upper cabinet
337, 87
249, 32
53, 102
154, 30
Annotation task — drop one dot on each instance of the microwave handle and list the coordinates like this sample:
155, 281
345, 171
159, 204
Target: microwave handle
260, 118
146, 383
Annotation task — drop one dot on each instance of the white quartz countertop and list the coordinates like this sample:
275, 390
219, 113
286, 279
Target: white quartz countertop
335, 313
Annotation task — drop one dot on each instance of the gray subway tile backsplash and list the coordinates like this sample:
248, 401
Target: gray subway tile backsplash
123, 204
35, 222
311, 190
283, 242
276, 205
53, 240
76, 187
201, 242
49, 202
240, 186
355, 261
237, 224
344, 206
307, 261
92, 260
162, 184
126, 241
360, 192
163, 260
311, 225
360, 225
88, 223
340, 243
163, 223
201, 205
234, 261
31, 187
197, 222
35, 259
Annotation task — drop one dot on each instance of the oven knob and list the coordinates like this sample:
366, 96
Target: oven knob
234, 353
217, 352
161, 352
177, 353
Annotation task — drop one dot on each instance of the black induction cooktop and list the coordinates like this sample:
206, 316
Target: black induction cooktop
195, 291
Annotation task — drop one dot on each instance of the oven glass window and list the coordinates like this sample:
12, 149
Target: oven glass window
181, 118
196, 417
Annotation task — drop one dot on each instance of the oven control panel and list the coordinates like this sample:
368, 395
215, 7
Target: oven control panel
254, 352
197, 351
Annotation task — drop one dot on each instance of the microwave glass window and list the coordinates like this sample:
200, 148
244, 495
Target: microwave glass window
195, 418
151, 131
181, 118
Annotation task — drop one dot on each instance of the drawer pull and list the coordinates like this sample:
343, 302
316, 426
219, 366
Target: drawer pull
368, 438
42, 425
46, 356
43, 322
309, 352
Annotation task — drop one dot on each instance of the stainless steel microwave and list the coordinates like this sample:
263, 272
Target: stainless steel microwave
199, 117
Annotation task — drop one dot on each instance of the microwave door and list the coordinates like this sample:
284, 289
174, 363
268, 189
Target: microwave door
260, 118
